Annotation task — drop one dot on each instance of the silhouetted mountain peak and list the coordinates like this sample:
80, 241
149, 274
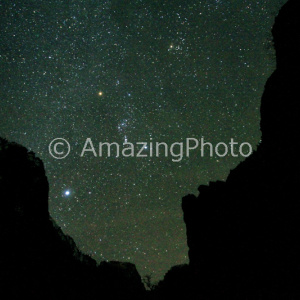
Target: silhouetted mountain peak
286, 36
38, 261
243, 233
23, 183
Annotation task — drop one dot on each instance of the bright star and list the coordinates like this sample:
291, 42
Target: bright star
67, 193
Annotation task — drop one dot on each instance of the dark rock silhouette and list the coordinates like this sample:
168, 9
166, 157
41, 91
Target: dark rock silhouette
243, 234
37, 260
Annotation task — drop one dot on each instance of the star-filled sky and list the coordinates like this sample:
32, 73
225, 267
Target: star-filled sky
134, 71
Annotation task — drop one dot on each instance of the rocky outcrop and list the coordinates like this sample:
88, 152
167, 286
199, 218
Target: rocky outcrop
243, 234
37, 260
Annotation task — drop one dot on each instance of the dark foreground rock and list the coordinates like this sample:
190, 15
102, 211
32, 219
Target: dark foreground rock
243, 234
37, 260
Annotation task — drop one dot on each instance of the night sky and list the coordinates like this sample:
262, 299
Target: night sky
117, 71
